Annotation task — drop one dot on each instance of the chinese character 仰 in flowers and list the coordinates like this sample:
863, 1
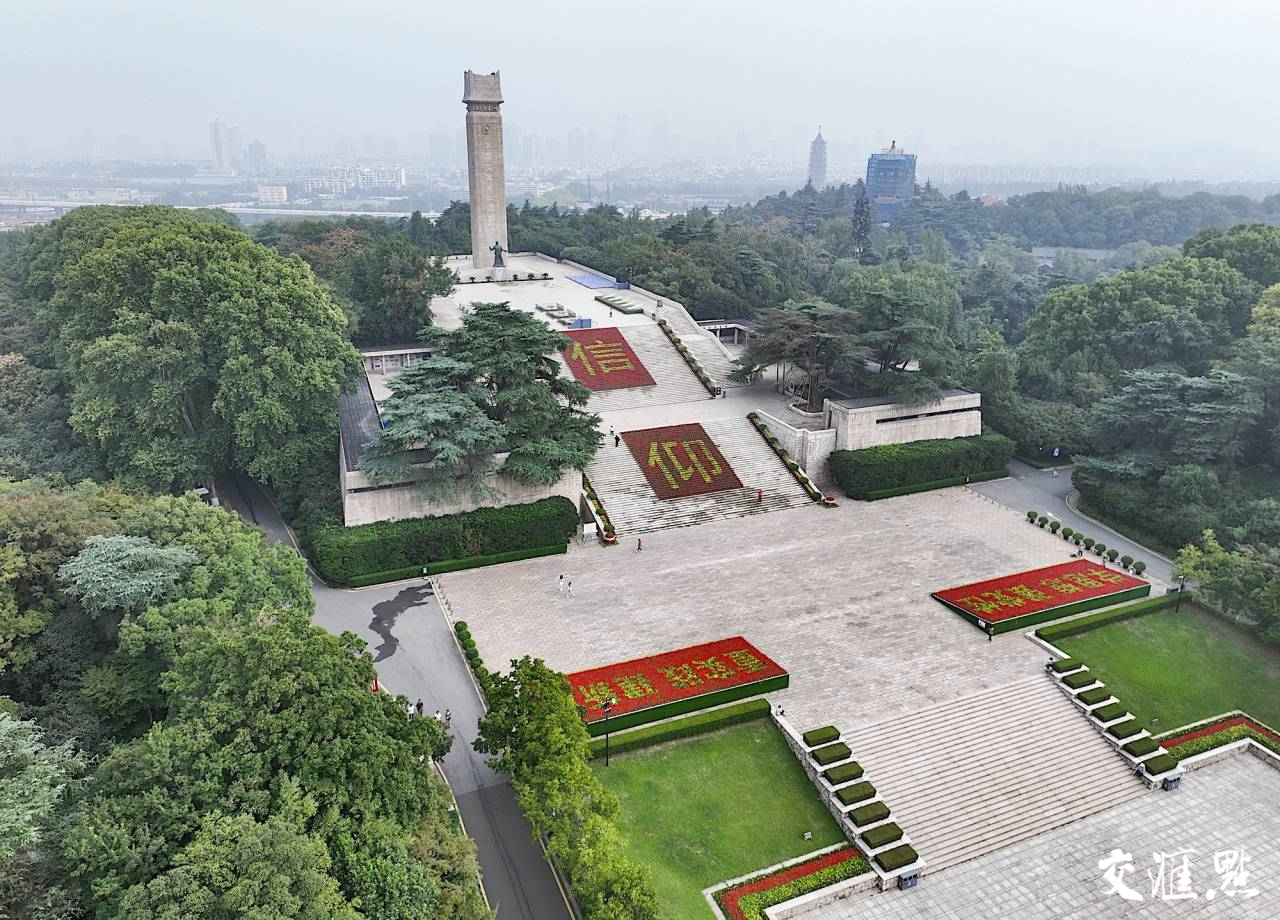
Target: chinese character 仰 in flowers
681, 675
633, 686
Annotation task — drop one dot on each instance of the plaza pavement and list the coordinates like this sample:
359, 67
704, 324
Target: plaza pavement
1228, 805
839, 597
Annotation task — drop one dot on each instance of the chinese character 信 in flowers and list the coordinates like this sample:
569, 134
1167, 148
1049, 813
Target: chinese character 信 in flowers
634, 686
595, 695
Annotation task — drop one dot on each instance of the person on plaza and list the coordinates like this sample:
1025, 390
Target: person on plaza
448, 717
561, 588
418, 708
617, 439
759, 496
639, 544
439, 716
571, 589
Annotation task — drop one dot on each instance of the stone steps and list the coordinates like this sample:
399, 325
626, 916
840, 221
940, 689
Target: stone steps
704, 346
635, 509
674, 382
979, 773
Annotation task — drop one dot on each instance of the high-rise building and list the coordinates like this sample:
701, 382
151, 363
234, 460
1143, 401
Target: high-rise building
256, 158
818, 161
891, 180
486, 172
224, 141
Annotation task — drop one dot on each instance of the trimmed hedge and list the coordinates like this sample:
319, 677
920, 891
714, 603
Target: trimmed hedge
1161, 763
1128, 611
896, 858
846, 772
1110, 711
830, 754
688, 727
1094, 695
848, 795
880, 836
343, 554
1142, 747
1065, 664
819, 736
455, 565
474, 661
1124, 730
892, 466
869, 814
1079, 679
877, 494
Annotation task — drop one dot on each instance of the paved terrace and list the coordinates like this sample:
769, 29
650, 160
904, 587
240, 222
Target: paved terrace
840, 597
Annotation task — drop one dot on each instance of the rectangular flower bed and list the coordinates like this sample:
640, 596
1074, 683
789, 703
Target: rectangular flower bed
1049, 593
869, 814
680, 460
881, 835
831, 753
1079, 679
674, 683
1110, 711
1142, 747
891, 860
602, 359
824, 735
848, 795
1198, 739
845, 773
1094, 695
1124, 730
748, 900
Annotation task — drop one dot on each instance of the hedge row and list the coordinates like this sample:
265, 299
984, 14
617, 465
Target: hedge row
472, 654
1128, 611
699, 724
896, 858
844, 773
881, 835
342, 555
1079, 679
1065, 664
1110, 711
1142, 747
869, 814
1126, 729
877, 494
453, 565
830, 754
1161, 763
1094, 695
891, 466
848, 795
819, 736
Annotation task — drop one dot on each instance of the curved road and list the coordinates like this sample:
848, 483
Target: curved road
416, 655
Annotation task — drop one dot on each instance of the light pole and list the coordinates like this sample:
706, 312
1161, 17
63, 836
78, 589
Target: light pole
1182, 586
608, 708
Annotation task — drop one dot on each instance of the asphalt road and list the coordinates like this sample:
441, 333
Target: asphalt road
416, 656
1030, 489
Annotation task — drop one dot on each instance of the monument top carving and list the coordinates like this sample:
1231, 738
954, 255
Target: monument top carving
481, 87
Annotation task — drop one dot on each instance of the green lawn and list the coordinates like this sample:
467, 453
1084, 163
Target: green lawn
1180, 667
711, 808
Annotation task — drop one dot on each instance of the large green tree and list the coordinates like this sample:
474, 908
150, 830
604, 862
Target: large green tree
392, 285
1251, 249
814, 339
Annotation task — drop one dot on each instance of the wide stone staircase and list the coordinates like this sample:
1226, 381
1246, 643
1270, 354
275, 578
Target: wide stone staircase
635, 509
976, 774
673, 380
703, 346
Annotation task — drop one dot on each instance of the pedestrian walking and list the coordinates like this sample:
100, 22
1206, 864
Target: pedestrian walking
612, 433
759, 496
571, 589
439, 716
617, 439
418, 708
639, 544
561, 588
448, 717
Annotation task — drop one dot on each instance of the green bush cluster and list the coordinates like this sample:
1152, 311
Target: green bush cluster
881, 835
848, 795
687, 727
877, 494
1110, 711
869, 814
1084, 624
1124, 730
896, 858
819, 736
1094, 695
846, 772
1142, 747
1079, 679
606, 524
1065, 664
753, 906
343, 554
472, 654
1161, 763
890, 466
689, 359
814, 493
830, 754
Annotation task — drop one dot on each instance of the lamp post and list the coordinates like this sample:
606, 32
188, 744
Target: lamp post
608, 708
1182, 586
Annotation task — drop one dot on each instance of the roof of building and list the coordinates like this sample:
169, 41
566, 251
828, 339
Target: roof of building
865, 402
358, 422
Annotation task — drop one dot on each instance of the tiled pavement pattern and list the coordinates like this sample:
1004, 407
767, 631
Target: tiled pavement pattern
1227, 805
981, 783
839, 597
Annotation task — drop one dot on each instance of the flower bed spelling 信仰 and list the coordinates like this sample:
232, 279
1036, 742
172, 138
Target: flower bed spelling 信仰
673, 683
748, 900
602, 359
1050, 593
680, 460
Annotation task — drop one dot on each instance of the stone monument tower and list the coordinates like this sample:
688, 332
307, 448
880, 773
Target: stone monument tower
486, 174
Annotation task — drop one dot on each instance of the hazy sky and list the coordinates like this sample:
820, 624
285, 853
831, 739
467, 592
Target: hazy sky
1161, 84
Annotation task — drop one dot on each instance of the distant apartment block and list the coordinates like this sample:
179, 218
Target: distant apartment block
226, 146
273, 194
891, 180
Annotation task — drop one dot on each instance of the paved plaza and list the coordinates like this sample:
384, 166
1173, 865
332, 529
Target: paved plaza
1228, 805
839, 597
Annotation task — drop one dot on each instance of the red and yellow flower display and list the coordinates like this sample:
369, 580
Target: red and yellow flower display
681, 460
602, 359
1222, 725
1079, 584
748, 900
647, 689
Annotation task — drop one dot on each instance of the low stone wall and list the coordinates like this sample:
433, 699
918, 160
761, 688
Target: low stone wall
808, 448
398, 502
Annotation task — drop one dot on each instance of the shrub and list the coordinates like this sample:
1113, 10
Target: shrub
896, 858
830, 754
892, 465
818, 736
1094, 695
1142, 747
880, 836
342, 554
1066, 533
1079, 679
1084, 624
1110, 711
687, 727
1032, 515
876, 494
1054, 526
1042, 520
855, 793
869, 814
1088, 542
846, 772
1099, 548
1062, 665
1161, 763
1139, 567
1126, 561
1124, 729
1112, 554
1078, 540
483, 678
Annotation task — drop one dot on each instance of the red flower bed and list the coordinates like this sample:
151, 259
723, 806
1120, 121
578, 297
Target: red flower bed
643, 683
681, 460
730, 898
602, 359
1222, 725
1038, 590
